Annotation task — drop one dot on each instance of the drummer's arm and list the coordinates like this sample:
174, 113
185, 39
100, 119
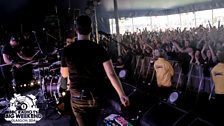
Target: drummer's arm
22, 56
6, 59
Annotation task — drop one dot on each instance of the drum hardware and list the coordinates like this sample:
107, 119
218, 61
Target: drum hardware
13, 78
48, 93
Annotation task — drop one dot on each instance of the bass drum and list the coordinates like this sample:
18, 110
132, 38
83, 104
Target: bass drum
51, 87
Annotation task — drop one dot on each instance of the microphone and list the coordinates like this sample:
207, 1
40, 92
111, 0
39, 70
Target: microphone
104, 33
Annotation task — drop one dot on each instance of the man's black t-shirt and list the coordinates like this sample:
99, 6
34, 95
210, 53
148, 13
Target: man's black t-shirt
11, 52
85, 62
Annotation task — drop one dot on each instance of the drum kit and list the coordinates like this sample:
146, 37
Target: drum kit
47, 77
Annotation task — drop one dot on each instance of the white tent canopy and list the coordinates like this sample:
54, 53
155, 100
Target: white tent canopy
135, 8
149, 4
140, 8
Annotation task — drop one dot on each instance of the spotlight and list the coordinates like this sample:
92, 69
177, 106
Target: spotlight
24, 85
38, 82
63, 93
31, 84
20, 86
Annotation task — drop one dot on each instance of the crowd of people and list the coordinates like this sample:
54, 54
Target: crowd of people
200, 46
194, 46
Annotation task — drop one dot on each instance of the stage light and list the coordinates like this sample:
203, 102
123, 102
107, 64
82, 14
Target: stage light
21, 85
122, 73
24, 85
63, 94
31, 84
173, 97
38, 82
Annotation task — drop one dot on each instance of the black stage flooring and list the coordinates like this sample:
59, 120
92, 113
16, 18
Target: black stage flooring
146, 109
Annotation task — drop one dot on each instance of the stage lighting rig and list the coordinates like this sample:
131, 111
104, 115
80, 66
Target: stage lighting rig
91, 5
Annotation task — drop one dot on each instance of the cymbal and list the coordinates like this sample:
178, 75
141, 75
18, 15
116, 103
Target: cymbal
42, 64
56, 63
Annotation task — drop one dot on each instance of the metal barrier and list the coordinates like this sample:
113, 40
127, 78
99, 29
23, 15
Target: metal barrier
195, 79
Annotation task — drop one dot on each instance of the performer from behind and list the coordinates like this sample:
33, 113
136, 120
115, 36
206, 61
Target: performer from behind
12, 56
164, 73
87, 63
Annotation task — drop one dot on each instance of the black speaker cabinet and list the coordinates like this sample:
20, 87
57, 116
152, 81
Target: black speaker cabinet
162, 114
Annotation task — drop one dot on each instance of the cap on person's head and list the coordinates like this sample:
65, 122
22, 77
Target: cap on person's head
83, 24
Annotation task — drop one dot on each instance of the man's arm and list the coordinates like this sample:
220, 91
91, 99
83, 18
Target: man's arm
22, 56
108, 67
64, 72
6, 59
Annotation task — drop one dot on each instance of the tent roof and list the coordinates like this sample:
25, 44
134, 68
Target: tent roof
148, 4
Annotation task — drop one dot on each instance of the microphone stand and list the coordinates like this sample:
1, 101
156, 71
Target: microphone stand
13, 78
38, 44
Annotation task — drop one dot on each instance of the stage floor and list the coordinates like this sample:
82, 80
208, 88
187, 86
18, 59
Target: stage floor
145, 108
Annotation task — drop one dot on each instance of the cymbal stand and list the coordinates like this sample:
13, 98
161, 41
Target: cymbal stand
13, 78
41, 98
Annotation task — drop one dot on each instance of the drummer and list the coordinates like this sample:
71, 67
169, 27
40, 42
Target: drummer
12, 55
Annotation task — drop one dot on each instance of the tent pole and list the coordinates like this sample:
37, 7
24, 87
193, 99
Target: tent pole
96, 26
117, 26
